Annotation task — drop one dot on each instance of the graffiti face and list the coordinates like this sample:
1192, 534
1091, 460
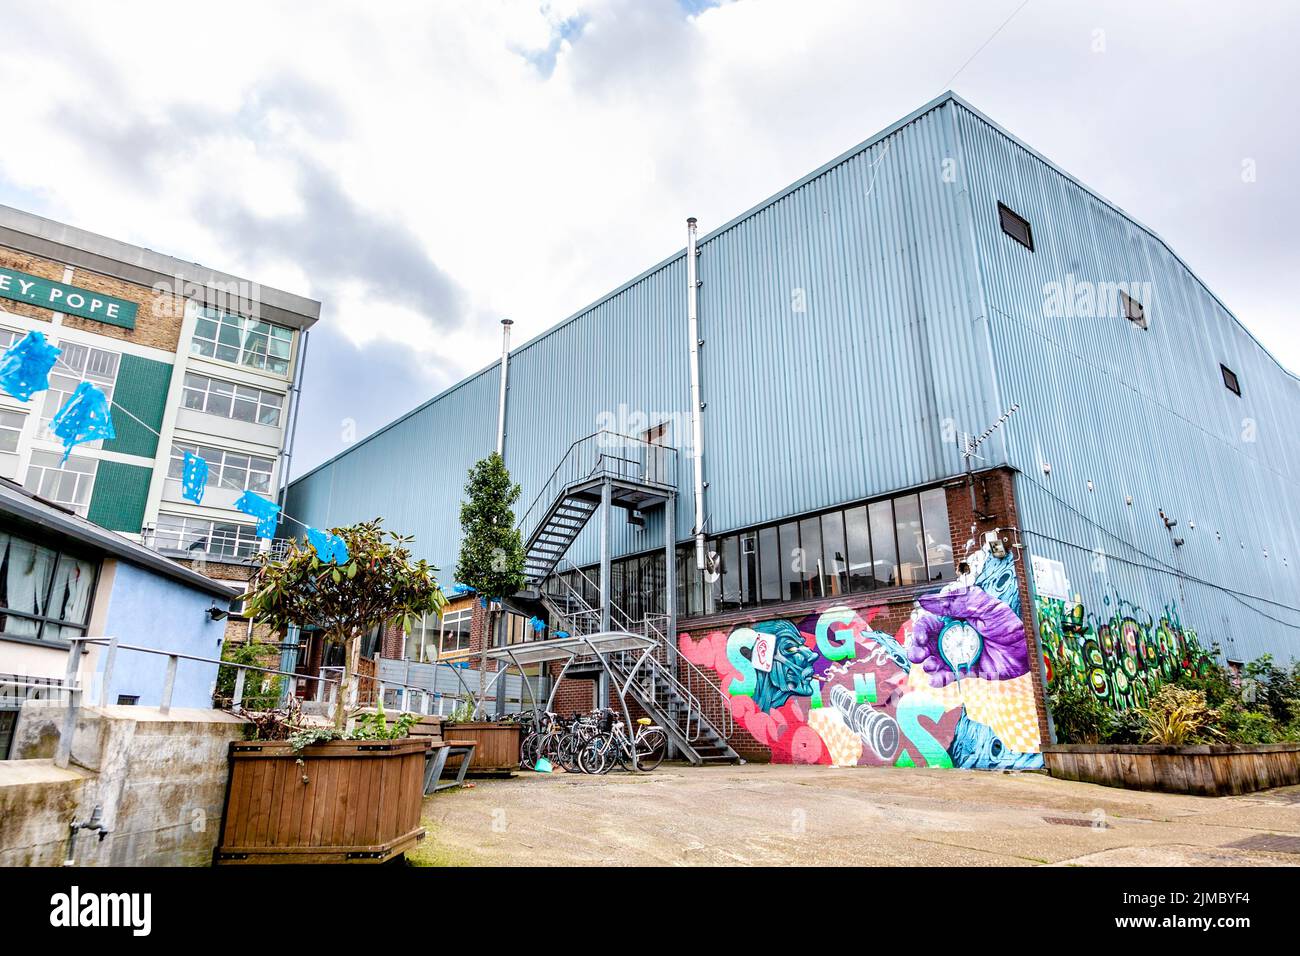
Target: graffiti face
950, 687
792, 667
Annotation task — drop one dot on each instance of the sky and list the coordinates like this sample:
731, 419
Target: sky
427, 169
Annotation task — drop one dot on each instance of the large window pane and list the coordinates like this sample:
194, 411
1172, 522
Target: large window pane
884, 553
769, 555
810, 543
791, 568
835, 565
938, 537
858, 539
730, 551
749, 569
911, 544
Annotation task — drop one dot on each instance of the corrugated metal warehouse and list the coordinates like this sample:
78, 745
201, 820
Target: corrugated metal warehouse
862, 331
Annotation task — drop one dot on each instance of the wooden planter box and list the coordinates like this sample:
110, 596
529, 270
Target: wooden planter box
496, 744
360, 802
1207, 770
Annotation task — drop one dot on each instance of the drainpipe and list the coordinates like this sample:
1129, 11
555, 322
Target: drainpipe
697, 424
505, 368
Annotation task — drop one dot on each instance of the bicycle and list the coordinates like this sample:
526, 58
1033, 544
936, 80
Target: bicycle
650, 744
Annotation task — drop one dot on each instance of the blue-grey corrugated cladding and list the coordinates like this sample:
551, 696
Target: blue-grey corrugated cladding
850, 398
1138, 413
805, 410
411, 473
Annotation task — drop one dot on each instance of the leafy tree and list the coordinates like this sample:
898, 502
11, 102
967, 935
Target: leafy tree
491, 549
379, 584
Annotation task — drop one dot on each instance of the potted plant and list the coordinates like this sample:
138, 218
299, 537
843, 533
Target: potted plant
300, 792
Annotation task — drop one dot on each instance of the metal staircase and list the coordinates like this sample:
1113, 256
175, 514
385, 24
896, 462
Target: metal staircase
690, 707
636, 475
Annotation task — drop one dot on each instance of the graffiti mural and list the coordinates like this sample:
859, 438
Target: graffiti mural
951, 686
1122, 654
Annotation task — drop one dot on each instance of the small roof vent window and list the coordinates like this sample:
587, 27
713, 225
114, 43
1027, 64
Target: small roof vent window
1133, 310
1016, 226
1230, 380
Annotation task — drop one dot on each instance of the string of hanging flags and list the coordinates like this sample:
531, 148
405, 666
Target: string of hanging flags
87, 416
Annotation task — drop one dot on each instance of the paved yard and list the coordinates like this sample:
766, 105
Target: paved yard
778, 815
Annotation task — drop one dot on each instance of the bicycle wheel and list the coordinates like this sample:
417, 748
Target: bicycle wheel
593, 758
651, 749
566, 754
528, 752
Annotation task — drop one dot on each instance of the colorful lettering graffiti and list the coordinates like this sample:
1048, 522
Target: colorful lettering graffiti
1123, 655
951, 687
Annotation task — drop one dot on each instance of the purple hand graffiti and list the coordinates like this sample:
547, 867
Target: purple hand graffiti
1004, 655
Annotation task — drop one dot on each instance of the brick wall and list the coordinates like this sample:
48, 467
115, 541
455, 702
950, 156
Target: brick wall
158, 317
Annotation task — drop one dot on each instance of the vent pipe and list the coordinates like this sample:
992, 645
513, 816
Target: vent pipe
697, 425
505, 369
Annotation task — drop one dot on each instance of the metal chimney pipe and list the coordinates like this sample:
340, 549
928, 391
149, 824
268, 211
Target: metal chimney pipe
505, 369
697, 425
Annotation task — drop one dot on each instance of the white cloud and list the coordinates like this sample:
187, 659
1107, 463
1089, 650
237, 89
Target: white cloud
522, 159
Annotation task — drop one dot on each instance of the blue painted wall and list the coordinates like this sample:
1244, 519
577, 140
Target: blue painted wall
152, 611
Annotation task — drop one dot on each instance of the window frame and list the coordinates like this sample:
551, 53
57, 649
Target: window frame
1005, 212
246, 329
186, 519
1231, 381
91, 477
234, 397
45, 620
217, 469
1138, 317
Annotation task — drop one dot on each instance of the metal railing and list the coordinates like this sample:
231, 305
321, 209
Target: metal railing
72, 686
669, 664
604, 454
217, 546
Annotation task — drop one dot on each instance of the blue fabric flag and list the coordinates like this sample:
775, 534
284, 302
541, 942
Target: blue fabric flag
538, 624
194, 477
329, 547
83, 417
25, 368
266, 512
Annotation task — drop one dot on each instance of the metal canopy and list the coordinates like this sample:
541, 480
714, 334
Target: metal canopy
567, 648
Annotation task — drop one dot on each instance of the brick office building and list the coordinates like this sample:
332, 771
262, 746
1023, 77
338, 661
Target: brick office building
938, 348
190, 358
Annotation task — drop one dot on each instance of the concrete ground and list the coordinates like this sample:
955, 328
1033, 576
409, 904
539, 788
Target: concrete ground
769, 815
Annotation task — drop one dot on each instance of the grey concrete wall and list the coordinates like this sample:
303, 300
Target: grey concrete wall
160, 781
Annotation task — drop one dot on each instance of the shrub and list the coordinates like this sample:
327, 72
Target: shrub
1177, 716
260, 693
1126, 727
1243, 726
1079, 716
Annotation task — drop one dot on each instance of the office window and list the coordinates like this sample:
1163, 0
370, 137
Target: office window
68, 483
730, 550
9, 336
884, 551
227, 400
44, 594
938, 538
242, 341
749, 573
1230, 380
225, 539
76, 364
226, 469
11, 428
835, 563
810, 553
769, 562
858, 539
422, 641
1016, 226
456, 627
791, 568
1133, 310
911, 542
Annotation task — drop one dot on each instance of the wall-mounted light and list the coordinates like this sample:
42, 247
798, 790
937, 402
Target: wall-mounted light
217, 614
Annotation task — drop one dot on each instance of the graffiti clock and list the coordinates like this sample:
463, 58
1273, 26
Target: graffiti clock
960, 646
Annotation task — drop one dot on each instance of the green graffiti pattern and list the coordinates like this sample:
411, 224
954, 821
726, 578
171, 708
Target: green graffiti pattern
1122, 656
